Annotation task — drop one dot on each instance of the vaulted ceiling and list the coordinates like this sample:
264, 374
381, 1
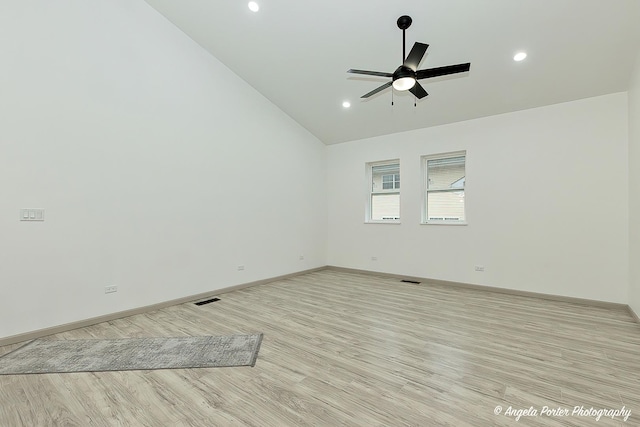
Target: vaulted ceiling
296, 53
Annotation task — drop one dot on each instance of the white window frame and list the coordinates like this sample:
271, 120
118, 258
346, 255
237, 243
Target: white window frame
370, 192
426, 191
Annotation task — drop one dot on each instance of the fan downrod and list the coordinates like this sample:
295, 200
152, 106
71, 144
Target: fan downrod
404, 22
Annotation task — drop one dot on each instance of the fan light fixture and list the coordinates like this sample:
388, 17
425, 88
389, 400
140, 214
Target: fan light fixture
404, 78
404, 83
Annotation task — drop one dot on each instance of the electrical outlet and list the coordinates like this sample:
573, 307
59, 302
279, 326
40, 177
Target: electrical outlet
110, 289
374, 258
301, 257
479, 267
240, 267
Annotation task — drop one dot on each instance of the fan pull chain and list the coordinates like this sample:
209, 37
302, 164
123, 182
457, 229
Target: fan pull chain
415, 100
392, 96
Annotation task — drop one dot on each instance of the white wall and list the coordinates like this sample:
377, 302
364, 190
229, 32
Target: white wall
546, 196
634, 189
159, 169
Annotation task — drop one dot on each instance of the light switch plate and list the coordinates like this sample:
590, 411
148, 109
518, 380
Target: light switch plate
32, 214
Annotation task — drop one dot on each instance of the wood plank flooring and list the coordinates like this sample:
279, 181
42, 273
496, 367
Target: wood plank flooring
345, 349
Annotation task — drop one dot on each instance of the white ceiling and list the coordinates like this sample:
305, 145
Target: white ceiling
296, 53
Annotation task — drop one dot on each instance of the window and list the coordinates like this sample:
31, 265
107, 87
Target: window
444, 182
383, 193
389, 182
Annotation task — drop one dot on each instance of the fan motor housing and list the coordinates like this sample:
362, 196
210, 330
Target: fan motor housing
403, 71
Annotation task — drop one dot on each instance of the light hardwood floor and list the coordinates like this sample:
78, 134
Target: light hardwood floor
354, 349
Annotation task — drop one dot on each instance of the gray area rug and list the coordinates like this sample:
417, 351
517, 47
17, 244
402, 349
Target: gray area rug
60, 356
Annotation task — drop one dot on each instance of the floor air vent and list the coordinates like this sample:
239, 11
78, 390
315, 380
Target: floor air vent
410, 281
208, 301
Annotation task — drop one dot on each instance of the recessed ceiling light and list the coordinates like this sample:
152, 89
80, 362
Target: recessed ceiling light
519, 56
346, 104
253, 6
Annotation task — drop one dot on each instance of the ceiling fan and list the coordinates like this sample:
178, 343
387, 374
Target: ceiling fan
406, 76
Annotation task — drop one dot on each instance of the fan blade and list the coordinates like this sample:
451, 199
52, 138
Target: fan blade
379, 89
415, 56
442, 71
370, 73
418, 91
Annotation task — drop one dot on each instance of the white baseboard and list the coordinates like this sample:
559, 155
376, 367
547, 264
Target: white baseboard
583, 301
140, 310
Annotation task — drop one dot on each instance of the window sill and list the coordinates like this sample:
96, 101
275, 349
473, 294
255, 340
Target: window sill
383, 222
444, 223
